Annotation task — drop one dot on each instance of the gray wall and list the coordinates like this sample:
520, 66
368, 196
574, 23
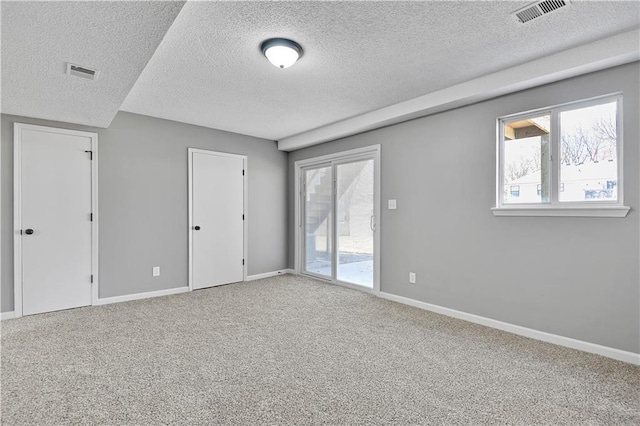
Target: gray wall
575, 277
143, 201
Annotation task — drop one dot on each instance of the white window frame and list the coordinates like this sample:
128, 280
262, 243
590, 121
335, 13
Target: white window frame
555, 207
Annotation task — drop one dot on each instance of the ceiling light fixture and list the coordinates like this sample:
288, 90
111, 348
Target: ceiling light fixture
281, 52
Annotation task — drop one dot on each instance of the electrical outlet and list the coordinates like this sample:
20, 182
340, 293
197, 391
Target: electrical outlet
412, 277
392, 205
156, 271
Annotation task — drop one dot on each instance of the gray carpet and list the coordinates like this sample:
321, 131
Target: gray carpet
289, 350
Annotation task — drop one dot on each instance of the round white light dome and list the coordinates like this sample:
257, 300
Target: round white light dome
281, 52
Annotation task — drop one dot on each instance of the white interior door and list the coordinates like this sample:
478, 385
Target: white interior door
217, 218
54, 195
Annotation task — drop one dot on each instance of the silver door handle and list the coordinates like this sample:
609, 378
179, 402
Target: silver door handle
372, 223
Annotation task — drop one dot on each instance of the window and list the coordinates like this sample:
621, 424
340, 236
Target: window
525, 158
562, 160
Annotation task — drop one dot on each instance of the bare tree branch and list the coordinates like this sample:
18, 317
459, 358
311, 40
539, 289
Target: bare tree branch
597, 143
523, 166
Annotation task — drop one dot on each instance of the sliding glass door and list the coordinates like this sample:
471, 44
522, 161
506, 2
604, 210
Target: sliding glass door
338, 220
318, 221
355, 222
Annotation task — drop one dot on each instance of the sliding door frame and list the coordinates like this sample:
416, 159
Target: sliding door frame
369, 152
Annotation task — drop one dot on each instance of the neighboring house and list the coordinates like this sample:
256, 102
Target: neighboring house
587, 181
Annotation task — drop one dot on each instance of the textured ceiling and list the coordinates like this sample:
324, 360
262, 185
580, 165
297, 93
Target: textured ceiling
359, 57
38, 38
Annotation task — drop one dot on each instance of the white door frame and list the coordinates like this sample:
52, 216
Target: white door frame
372, 151
17, 208
245, 242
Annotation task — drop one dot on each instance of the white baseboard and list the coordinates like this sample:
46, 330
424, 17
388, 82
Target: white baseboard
138, 296
269, 274
7, 315
620, 355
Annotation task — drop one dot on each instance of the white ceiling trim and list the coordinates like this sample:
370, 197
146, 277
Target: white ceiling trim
612, 51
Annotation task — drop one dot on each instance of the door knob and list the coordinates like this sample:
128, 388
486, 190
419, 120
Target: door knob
29, 231
197, 228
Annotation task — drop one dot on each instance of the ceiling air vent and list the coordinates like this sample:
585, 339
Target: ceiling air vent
84, 72
537, 9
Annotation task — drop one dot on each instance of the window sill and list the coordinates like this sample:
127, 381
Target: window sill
563, 211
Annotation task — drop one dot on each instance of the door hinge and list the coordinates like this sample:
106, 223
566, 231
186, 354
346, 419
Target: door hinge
21, 232
243, 261
242, 217
91, 217
90, 155
92, 278
242, 172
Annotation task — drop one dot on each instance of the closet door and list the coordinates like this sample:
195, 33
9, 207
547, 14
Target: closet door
54, 218
217, 218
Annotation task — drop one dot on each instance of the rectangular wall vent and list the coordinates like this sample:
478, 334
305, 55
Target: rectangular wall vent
84, 72
538, 9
